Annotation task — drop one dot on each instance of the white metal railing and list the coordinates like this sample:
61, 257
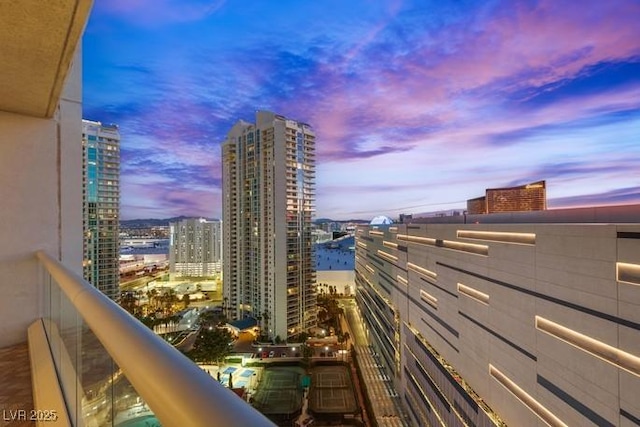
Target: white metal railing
177, 391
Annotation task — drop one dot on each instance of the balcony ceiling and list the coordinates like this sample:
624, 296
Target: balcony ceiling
37, 42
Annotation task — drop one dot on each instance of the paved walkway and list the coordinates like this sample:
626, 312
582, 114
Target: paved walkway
15, 384
384, 399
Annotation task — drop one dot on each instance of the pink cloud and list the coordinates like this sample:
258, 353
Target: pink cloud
519, 47
538, 45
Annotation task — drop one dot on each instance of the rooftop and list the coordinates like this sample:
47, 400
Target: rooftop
584, 215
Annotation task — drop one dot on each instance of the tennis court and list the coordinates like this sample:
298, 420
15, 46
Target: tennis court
279, 391
330, 378
332, 391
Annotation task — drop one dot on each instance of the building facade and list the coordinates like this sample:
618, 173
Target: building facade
529, 197
268, 196
101, 205
195, 248
520, 319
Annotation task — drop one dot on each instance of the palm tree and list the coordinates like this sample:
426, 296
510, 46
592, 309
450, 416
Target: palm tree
322, 315
152, 295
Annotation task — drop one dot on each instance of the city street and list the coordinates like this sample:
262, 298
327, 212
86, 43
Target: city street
384, 399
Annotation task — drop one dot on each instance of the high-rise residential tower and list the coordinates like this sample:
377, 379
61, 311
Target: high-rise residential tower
101, 205
268, 174
195, 248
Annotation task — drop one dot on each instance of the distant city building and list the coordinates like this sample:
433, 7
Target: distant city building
268, 196
195, 248
381, 220
529, 197
405, 218
319, 236
330, 226
101, 205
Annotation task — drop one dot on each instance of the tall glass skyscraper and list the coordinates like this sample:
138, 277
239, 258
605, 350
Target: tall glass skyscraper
268, 174
101, 205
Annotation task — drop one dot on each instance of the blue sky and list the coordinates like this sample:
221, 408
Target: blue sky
417, 105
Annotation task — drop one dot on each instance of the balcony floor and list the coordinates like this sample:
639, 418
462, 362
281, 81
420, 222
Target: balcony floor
15, 383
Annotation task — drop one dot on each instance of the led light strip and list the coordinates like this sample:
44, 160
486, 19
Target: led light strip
362, 244
390, 244
475, 294
402, 280
376, 233
621, 359
543, 413
387, 256
472, 248
628, 273
368, 267
421, 270
393, 229
429, 299
498, 236
415, 239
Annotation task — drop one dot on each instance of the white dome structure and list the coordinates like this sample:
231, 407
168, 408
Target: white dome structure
381, 220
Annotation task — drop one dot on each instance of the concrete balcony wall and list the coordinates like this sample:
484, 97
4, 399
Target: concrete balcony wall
41, 203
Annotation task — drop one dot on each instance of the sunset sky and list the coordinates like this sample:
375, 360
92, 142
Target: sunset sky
417, 105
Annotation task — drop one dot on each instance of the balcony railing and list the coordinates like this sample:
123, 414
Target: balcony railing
112, 369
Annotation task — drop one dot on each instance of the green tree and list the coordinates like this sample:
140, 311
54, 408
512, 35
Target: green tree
322, 316
129, 302
152, 295
168, 299
211, 346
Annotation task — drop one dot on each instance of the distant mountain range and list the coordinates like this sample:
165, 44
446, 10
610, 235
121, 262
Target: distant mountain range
153, 222
325, 220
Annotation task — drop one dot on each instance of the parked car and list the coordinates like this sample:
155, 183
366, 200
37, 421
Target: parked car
272, 353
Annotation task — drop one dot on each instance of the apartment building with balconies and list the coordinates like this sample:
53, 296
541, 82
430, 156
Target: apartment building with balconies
195, 248
268, 203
